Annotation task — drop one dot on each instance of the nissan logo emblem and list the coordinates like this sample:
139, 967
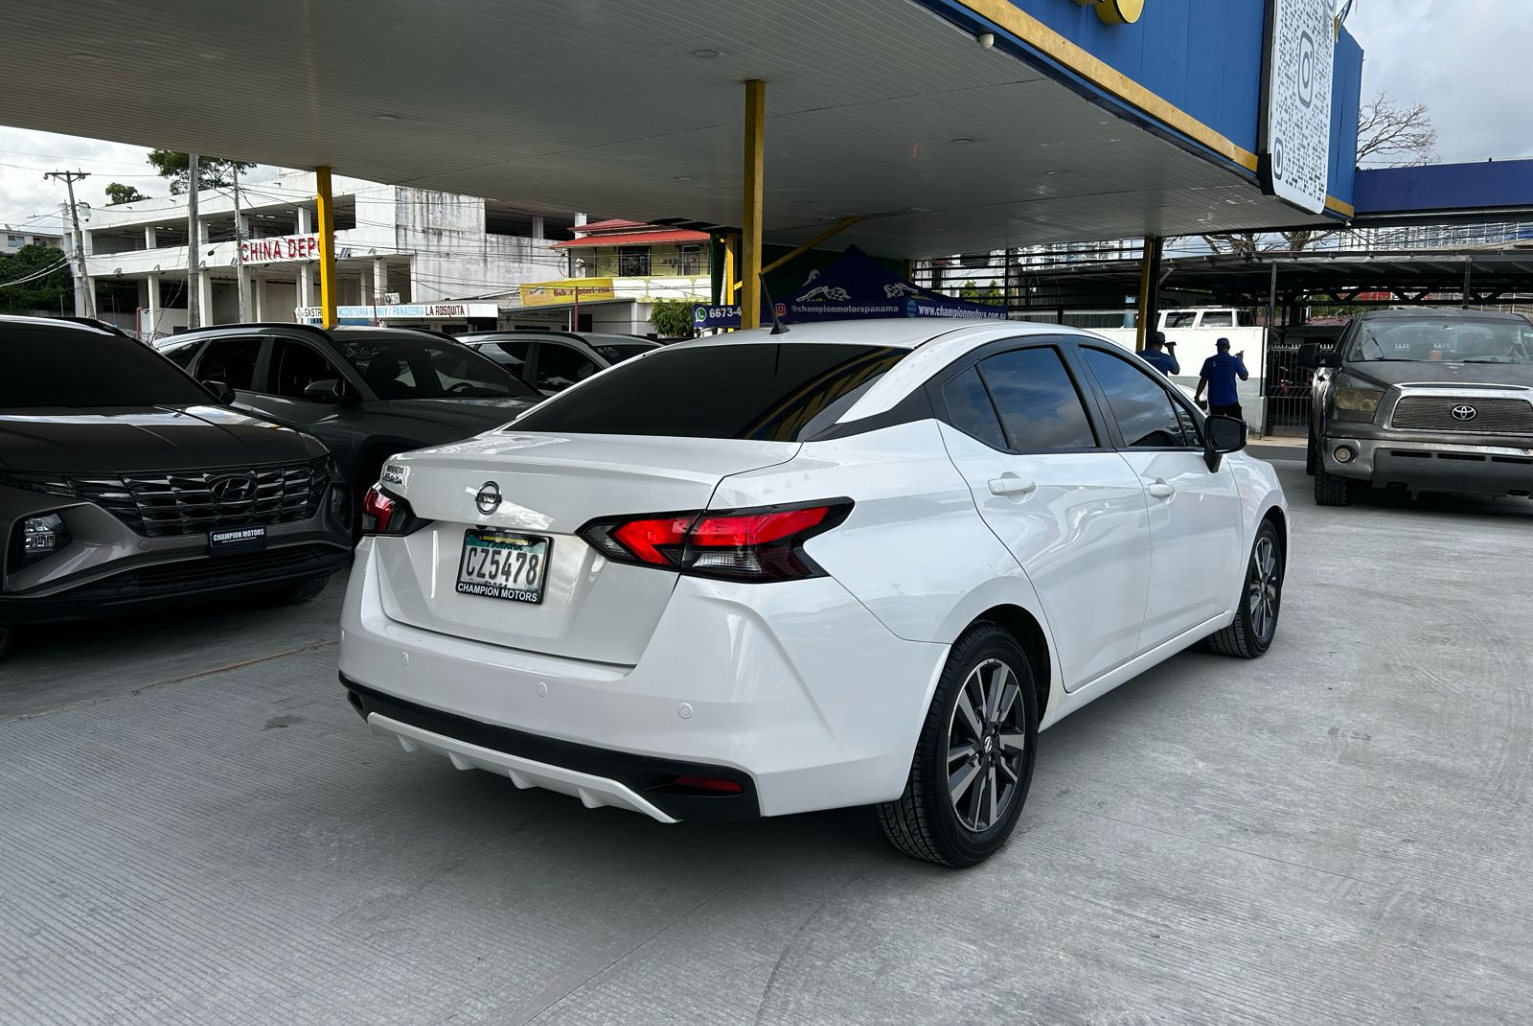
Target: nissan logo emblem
233, 488
1465, 412
488, 499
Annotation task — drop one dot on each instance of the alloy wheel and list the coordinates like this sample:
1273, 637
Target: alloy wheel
986, 745
1266, 582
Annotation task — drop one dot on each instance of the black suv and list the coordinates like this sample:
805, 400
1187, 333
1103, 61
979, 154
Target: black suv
123, 485
366, 392
1426, 400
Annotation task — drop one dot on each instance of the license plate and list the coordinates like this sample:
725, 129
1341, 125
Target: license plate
499, 564
230, 541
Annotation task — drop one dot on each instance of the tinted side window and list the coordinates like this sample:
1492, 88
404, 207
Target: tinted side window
232, 361
295, 366
969, 409
559, 367
181, 355
1219, 319
1040, 409
511, 355
1141, 406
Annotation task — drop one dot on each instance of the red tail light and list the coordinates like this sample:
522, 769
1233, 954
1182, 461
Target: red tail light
749, 544
383, 513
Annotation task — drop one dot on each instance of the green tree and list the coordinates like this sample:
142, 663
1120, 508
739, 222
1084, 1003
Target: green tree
42, 294
970, 291
672, 318
212, 172
117, 193
994, 296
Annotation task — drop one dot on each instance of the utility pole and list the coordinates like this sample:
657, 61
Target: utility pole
83, 287
193, 241
241, 278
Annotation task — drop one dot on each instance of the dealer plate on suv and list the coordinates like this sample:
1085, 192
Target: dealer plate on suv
503, 565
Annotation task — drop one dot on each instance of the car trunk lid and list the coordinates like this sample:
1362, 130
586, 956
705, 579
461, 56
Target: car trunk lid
550, 486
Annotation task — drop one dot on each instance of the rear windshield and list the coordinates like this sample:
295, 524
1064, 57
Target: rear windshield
767, 391
47, 366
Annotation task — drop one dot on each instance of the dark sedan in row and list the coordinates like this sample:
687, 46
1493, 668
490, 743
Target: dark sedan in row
365, 392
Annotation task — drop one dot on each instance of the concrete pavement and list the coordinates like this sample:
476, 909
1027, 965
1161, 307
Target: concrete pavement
1339, 833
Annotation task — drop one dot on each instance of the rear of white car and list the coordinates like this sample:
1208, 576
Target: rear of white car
726, 580
708, 645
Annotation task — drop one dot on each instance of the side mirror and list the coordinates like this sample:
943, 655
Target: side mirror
325, 390
221, 392
1222, 435
1309, 356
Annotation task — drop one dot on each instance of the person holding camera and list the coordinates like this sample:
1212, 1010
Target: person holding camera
1161, 355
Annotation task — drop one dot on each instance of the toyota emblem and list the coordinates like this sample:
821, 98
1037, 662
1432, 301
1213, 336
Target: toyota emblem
1465, 412
488, 499
233, 488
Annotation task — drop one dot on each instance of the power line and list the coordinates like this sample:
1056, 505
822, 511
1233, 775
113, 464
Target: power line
57, 265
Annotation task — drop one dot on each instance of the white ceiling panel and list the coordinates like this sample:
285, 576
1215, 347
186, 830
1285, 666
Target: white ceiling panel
604, 106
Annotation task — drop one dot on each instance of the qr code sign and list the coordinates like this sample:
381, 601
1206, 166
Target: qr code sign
1299, 69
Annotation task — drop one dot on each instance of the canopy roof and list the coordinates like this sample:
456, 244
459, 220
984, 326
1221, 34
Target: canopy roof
877, 108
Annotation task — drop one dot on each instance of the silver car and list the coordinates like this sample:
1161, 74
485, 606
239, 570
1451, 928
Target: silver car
553, 361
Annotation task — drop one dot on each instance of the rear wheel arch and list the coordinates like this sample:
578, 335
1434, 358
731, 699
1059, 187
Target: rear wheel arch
1024, 626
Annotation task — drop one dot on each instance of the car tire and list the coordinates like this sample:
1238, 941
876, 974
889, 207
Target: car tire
303, 591
986, 692
1311, 455
1330, 490
1261, 599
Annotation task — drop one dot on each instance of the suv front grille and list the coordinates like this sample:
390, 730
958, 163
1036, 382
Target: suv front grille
165, 504
1491, 417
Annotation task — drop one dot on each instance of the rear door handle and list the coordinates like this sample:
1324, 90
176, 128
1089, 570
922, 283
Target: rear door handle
1011, 484
1161, 490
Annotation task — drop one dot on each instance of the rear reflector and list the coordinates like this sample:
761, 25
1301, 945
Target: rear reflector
763, 544
714, 784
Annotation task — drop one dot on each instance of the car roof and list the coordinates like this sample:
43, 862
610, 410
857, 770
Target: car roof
1440, 311
588, 337
893, 332
20, 321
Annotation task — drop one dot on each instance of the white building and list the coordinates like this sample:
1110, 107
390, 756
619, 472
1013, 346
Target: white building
407, 255
13, 237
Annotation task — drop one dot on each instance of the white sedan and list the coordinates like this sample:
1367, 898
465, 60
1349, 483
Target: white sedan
852, 564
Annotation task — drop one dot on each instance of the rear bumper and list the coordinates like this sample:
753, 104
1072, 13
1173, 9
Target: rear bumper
596, 776
1484, 469
793, 690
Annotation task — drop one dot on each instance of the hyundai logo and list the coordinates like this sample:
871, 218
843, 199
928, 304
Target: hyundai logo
488, 499
233, 488
1465, 412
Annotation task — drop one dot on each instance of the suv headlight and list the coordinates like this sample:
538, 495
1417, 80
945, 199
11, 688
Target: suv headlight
38, 537
1357, 403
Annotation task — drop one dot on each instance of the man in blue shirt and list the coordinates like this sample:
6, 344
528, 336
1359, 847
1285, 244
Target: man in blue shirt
1218, 377
1156, 356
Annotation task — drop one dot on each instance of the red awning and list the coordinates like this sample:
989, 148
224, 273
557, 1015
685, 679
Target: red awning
635, 239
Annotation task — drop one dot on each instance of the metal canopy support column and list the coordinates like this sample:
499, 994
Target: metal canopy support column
324, 210
750, 213
1268, 360
1468, 269
1149, 289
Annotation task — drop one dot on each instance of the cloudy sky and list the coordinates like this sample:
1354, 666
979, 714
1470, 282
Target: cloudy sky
1465, 59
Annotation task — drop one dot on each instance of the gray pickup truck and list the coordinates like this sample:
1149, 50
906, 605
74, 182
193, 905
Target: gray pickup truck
1427, 400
